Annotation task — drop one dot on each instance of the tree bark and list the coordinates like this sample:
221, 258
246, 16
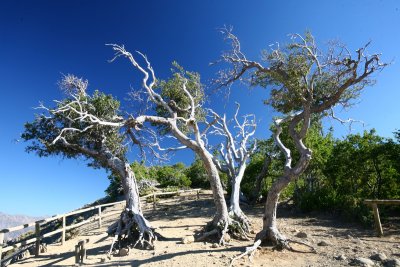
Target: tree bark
132, 228
221, 215
270, 233
235, 212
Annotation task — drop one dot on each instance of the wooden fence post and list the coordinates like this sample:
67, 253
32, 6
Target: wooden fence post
1, 244
378, 225
63, 230
154, 201
99, 211
37, 233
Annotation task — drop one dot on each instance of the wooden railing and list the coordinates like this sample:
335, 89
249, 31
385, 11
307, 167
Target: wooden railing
99, 215
374, 205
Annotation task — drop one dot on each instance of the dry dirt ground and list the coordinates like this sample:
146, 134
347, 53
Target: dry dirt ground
181, 216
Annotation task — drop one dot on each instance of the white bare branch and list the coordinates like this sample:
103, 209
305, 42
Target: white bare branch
147, 73
349, 121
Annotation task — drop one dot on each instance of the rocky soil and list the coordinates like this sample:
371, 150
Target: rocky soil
337, 243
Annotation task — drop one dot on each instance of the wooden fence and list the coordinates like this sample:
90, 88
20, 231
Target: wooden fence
98, 216
374, 205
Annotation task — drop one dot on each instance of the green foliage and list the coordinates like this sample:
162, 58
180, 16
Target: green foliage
198, 175
361, 165
46, 127
173, 175
357, 168
168, 176
290, 64
173, 93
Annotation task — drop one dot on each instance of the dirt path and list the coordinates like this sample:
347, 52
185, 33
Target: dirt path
182, 216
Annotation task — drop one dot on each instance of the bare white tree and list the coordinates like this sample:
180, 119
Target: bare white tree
234, 158
183, 118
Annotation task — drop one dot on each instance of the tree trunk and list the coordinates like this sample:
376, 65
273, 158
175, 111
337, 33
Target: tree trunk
270, 233
235, 212
221, 216
131, 192
132, 228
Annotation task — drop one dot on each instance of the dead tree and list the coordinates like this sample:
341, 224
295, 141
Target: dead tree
90, 126
304, 81
179, 112
234, 158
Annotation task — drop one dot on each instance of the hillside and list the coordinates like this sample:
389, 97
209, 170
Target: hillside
10, 220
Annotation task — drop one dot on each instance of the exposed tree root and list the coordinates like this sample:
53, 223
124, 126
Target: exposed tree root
249, 251
130, 231
241, 223
223, 230
278, 241
275, 238
312, 249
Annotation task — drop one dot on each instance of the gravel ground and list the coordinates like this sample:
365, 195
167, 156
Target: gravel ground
337, 243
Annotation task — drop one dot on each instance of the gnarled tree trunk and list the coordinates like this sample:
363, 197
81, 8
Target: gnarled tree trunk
132, 228
270, 233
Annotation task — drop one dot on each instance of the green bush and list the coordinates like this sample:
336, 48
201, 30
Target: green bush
172, 176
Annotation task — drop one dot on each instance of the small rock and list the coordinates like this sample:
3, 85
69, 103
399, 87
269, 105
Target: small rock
356, 241
323, 244
103, 260
378, 257
341, 258
301, 235
123, 252
214, 245
165, 252
392, 263
349, 237
362, 262
188, 239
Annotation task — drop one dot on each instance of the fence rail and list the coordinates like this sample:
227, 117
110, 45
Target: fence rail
374, 205
100, 214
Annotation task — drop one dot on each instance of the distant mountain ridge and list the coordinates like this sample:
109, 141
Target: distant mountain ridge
10, 220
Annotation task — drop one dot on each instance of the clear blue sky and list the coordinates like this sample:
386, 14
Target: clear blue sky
39, 40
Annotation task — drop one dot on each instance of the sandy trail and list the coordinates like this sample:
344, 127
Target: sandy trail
184, 215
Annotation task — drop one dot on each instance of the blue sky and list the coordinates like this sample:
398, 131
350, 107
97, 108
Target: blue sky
40, 40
